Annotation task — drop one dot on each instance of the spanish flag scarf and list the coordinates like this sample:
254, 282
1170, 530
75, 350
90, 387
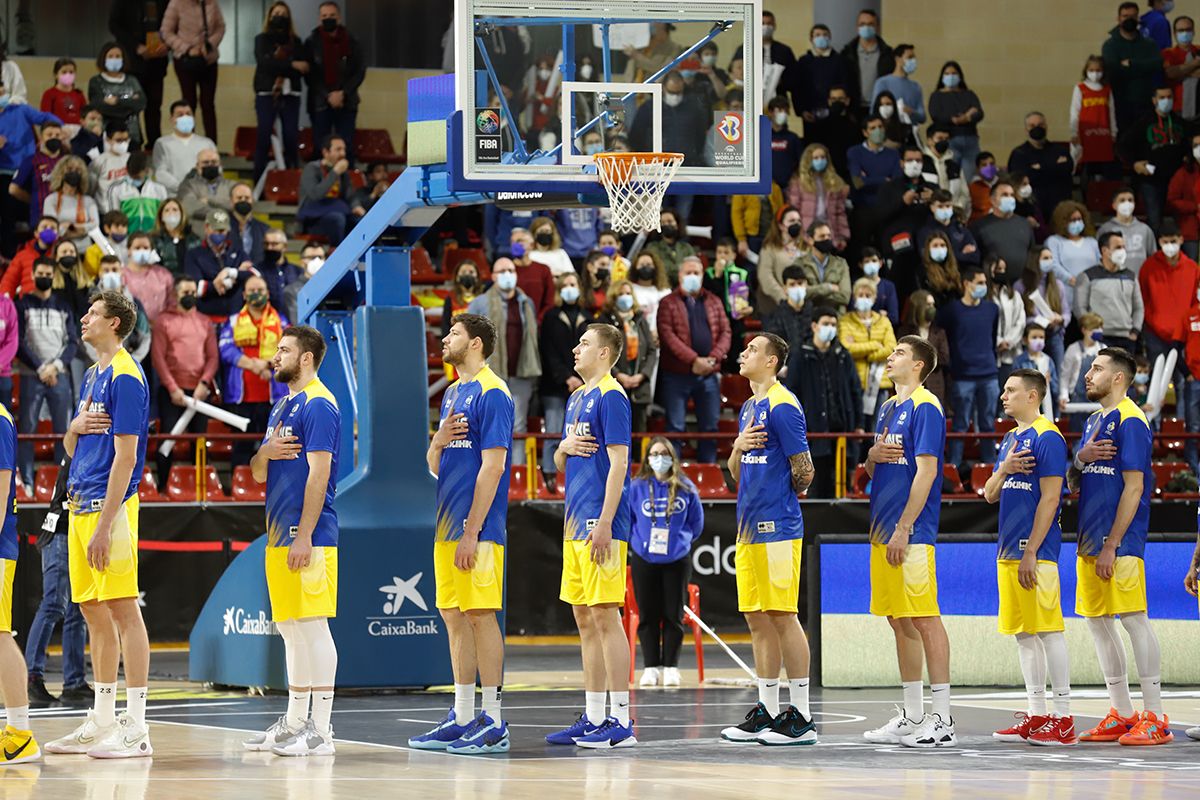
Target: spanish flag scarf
264, 334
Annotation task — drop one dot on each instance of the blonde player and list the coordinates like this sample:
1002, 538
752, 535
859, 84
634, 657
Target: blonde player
298, 460
107, 443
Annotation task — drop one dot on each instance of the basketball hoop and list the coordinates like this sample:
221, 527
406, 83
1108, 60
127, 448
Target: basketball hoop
636, 184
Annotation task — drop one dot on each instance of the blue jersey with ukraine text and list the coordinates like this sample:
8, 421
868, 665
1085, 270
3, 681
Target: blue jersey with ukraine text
312, 416
604, 413
1020, 494
488, 407
8, 460
919, 425
1102, 482
767, 507
119, 391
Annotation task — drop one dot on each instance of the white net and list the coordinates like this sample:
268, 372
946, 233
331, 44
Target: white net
636, 184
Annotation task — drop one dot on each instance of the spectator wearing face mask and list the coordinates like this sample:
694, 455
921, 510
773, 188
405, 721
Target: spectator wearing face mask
20, 143
910, 101
1011, 327
813, 75
594, 281
1168, 282
902, 210
650, 286
1155, 145
1093, 123
138, 343
173, 236
1181, 63
251, 231
819, 193
1139, 239
886, 300
782, 247
312, 258
672, 246
871, 164
971, 323
153, 286
115, 93
638, 364
115, 227
560, 330
207, 189
1133, 64
70, 202
828, 273
1154, 23
942, 169
1073, 244
1033, 356
710, 80
1111, 290
1048, 164
1183, 198
869, 338
684, 127
542, 244
868, 58
958, 109
792, 319
275, 268
1078, 358
219, 267
18, 277
918, 320
137, 195
111, 165
31, 184
837, 127
939, 269
540, 95
898, 134
1003, 233
534, 278
89, 139
946, 220
63, 99
980, 187
610, 244
178, 152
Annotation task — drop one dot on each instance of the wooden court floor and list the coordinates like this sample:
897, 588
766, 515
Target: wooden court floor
198, 754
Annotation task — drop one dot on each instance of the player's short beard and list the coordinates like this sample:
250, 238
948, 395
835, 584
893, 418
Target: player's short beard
455, 357
286, 375
1095, 394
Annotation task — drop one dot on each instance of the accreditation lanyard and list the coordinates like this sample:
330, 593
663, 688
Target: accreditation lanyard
659, 534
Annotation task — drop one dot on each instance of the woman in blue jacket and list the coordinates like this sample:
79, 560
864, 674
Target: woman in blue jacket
667, 520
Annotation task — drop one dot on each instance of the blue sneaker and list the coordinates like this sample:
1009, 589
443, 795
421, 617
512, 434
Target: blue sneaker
609, 735
789, 728
441, 736
581, 727
482, 736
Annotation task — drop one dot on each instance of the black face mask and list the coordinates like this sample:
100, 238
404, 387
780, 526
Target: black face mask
1130, 25
601, 275
646, 273
825, 247
837, 108
544, 239
280, 24
43, 283
73, 179
242, 207
53, 146
670, 231
941, 147
1038, 133
210, 172
187, 302
68, 262
272, 256
329, 25
466, 281
794, 229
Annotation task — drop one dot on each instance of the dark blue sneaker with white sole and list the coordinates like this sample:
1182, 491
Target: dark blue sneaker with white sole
484, 735
789, 728
447, 731
757, 721
609, 735
581, 727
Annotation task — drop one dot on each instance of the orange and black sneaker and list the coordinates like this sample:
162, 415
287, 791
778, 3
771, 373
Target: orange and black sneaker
1057, 732
1020, 731
1111, 728
1150, 729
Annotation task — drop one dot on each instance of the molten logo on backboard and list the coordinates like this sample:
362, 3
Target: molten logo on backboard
730, 128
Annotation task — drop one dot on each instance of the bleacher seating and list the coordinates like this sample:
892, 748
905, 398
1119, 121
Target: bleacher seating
709, 480
43, 482
181, 485
245, 488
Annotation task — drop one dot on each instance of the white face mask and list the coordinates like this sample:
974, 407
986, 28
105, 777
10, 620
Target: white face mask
120, 148
1125, 209
547, 141
1118, 256
1170, 249
315, 264
1025, 191
912, 169
1196, 152
886, 112
1094, 75
585, 72
673, 99
543, 74
781, 118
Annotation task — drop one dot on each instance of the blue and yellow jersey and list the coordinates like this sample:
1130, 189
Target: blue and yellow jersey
767, 507
119, 391
8, 460
603, 413
488, 407
1020, 494
312, 416
919, 425
1102, 482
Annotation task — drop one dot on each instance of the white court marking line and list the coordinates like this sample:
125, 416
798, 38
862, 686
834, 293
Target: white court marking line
49, 713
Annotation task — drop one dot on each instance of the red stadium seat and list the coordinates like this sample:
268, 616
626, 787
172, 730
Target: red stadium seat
245, 140
305, 145
181, 484
375, 144
214, 492
518, 487
709, 480
43, 482
979, 476
1098, 197
1164, 471
218, 448
951, 481
1005, 424
423, 271
453, 256
858, 490
148, 488
245, 488
1172, 426
735, 390
283, 187
728, 426
43, 449
357, 179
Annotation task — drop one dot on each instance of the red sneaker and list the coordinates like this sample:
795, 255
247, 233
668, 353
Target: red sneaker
1111, 728
1057, 732
1021, 730
1149, 730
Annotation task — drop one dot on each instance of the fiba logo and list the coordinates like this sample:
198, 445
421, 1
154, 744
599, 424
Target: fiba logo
730, 128
487, 122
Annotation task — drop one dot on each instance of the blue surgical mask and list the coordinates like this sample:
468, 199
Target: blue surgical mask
1185, 37
517, 250
593, 148
979, 291
110, 281
939, 253
507, 281
114, 64
1164, 105
1046, 264
951, 80
217, 239
943, 214
660, 464
624, 302
910, 66
819, 164
826, 333
864, 304
1097, 336
1008, 205
821, 42
185, 124
1075, 227
866, 32
1141, 378
690, 283
871, 268
796, 294
569, 294
608, 250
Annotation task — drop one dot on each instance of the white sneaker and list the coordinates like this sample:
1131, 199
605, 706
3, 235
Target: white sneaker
82, 739
1193, 733
649, 677
308, 742
127, 739
932, 732
278, 733
898, 726
670, 676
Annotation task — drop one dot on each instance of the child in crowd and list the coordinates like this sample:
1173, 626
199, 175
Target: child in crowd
1033, 356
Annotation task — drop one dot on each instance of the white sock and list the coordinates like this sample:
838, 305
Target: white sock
798, 695
1033, 670
106, 704
594, 707
618, 704
1110, 651
491, 702
18, 717
914, 700
1147, 656
135, 703
768, 695
940, 693
1058, 665
297, 710
464, 703
322, 710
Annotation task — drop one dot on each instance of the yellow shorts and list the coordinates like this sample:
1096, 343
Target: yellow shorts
1036, 610
120, 578
309, 592
9, 568
909, 590
585, 583
1124, 593
768, 575
480, 589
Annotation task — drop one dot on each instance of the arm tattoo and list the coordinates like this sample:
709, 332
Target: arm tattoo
802, 472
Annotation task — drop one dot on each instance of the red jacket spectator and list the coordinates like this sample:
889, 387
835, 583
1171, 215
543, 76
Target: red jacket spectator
18, 276
1177, 56
1169, 294
675, 334
67, 106
535, 279
1182, 196
1192, 348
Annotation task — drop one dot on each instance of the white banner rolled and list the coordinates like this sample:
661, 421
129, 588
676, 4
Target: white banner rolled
207, 409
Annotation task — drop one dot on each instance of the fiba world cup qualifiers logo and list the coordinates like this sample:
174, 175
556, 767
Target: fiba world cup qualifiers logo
487, 122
